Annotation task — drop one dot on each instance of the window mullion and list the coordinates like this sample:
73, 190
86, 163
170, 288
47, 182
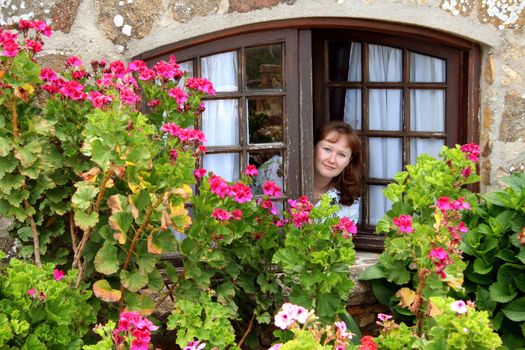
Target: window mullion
406, 108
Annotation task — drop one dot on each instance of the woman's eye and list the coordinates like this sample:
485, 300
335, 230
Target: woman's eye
326, 149
342, 155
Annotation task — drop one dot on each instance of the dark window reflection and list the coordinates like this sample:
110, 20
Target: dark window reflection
264, 68
344, 61
265, 119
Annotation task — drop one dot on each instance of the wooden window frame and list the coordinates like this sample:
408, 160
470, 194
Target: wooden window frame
302, 106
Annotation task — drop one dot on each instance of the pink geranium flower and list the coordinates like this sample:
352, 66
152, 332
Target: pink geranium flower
346, 226
74, 61
58, 274
33, 45
271, 189
179, 95
404, 222
251, 170
199, 172
31, 292
471, 150
221, 214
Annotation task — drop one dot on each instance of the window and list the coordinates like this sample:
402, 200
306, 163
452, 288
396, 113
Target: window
405, 94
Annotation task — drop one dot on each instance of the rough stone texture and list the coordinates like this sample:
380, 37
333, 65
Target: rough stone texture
14, 10
55, 61
64, 14
489, 70
509, 76
185, 10
139, 18
250, 5
7, 244
512, 126
502, 14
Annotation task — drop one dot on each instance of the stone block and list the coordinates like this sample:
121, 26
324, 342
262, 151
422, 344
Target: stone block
184, 10
64, 14
129, 19
489, 70
251, 5
512, 127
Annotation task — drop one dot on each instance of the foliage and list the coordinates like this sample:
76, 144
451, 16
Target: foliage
132, 332
449, 325
93, 180
424, 228
40, 308
494, 249
308, 332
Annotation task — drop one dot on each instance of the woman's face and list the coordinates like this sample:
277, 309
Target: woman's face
331, 157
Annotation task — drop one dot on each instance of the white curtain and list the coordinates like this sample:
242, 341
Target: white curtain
427, 107
352, 111
385, 106
220, 120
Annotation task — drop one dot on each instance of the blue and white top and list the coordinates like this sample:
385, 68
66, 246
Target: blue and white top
271, 170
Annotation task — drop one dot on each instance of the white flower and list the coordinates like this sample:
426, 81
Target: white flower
459, 306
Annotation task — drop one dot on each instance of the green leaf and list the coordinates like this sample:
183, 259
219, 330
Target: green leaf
121, 221
5, 146
328, 304
515, 311
383, 225
381, 292
101, 154
502, 291
375, 271
140, 303
146, 262
134, 280
32, 343
106, 260
155, 280
482, 267
85, 220
83, 196
28, 154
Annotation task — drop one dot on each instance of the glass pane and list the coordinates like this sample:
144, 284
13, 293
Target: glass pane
386, 109
264, 68
220, 122
270, 168
186, 66
265, 119
385, 156
427, 69
378, 203
225, 165
384, 63
344, 61
427, 110
221, 70
432, 147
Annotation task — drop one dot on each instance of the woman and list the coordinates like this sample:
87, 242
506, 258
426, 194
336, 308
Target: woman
337, 167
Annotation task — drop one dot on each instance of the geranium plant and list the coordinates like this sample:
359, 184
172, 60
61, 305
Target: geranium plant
41, 309
424, 230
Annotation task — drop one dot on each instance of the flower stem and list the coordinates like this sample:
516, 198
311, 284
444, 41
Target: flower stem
134, 242
87, 233
248, 330
27, 206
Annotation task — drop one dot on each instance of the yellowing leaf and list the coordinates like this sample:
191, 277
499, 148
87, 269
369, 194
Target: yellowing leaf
433, 310
105, 292
165, 221
184, 192
114, 204
407, 297
152, 247
91, 175
180, 218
